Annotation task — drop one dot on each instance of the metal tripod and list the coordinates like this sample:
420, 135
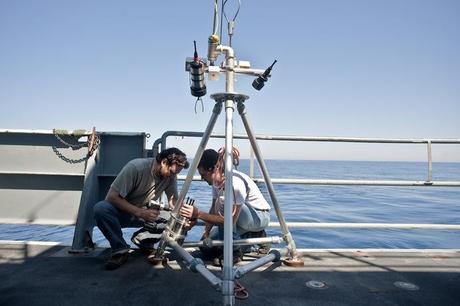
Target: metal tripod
228, 99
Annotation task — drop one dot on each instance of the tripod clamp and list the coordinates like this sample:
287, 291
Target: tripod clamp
225, 96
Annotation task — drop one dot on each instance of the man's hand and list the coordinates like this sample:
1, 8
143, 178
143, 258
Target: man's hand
148, 214
189, 211
190, 224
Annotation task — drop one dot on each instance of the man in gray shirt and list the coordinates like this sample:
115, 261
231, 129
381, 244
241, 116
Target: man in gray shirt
140, 181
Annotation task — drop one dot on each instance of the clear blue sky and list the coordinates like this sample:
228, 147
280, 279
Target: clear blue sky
361, 68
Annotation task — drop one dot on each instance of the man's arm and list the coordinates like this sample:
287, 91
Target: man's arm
171, 193
208, 226
192, 212
114, 198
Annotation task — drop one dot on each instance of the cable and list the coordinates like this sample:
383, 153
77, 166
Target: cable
231, 24
221, 19
236, 14
216, 17
202, 105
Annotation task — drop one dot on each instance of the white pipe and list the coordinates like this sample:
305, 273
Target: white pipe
198, 264
349, 182
367, 225
284, 251
430, 163
249, 241
324, 138
228, 277
361, 182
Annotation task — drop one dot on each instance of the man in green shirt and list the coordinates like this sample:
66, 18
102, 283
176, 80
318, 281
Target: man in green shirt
139, 182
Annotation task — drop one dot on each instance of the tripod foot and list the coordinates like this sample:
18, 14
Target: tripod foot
294, 262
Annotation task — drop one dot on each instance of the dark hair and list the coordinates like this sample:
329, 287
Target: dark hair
173, 156
208, 160
212, 159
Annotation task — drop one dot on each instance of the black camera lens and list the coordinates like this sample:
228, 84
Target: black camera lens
259, 83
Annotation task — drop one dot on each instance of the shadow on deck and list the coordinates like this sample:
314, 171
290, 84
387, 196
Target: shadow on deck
34, 274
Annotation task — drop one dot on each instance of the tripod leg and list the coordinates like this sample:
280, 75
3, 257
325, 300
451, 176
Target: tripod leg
294, 256
227, 268
199, 152
188, 180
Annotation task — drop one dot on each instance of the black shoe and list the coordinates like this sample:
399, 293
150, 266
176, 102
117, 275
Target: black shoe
116, 261
260, 248
217, 262
237, 257
263, 248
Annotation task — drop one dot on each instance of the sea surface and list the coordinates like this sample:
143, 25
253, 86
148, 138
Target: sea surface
302, 203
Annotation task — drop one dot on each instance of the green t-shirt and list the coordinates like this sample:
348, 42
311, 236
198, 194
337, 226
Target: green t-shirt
138, 185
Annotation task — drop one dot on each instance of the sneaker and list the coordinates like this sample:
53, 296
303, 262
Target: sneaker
264, 247
116, 261
217, 262
237, 257
259, 248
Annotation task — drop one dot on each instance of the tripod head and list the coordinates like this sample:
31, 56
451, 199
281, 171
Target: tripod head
229, 67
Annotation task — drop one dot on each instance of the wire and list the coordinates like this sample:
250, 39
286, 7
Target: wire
221, 19
216, 17
224, 2
236, 14
202, 105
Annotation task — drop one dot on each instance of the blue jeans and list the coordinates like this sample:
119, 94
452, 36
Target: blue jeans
251, 220
110, 221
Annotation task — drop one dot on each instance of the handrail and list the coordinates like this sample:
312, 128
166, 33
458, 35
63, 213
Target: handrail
350, 182
368, 225
427, 141
355, 225
318, 225
312, 138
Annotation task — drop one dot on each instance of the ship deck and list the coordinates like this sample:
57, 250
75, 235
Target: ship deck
46, 274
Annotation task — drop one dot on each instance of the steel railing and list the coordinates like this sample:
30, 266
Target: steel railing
418, 183
428, 182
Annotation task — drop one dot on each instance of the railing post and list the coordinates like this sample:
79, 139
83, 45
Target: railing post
430, 163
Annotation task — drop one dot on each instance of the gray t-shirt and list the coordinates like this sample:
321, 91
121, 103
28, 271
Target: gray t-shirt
138, 185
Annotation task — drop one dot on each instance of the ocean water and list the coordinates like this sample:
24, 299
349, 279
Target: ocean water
302, 203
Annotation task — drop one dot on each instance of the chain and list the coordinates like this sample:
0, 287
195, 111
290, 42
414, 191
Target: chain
68, 160
73, 146
92, 144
